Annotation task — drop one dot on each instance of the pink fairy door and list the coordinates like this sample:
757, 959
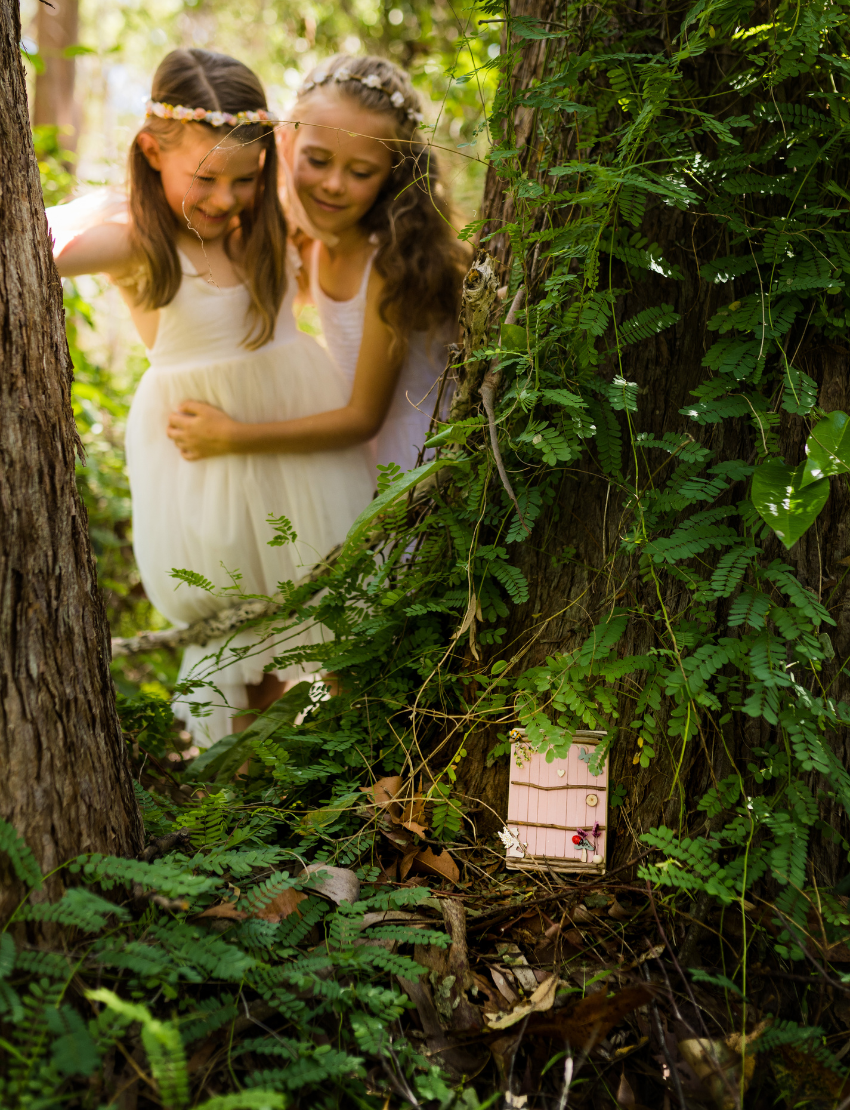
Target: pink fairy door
557, 812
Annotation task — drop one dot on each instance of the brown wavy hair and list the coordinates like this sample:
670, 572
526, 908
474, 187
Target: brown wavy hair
201, 79
419, 255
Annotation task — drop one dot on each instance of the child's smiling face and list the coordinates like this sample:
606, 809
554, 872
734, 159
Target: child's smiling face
341, 156
208, 179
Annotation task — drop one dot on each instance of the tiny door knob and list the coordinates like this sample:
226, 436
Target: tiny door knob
592, 800
597, 859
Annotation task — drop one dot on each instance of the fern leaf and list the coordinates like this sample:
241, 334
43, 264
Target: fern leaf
609, 438
731, 568
78, 908
192, 578
750, 607
257, 1099
800, 394
162, 1043
602, 639
646, 324
74, 1052
512, 579
21, 858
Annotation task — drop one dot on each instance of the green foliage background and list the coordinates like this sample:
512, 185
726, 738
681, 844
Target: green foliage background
763, 158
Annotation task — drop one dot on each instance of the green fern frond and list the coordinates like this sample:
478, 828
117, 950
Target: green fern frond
21, 858
646, 324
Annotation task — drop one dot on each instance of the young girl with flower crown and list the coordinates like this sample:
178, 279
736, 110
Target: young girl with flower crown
385, 266
240, 416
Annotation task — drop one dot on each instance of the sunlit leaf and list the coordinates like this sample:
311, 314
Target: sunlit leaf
828, 448
784, 502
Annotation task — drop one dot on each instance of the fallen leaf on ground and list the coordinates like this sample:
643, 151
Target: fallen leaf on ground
503, 986
516, 961
382, 794
441, 864
589, 1021
723, 1068
282, 906
337, 884
406, 863
542, 1000
384, 790
625, 1094
224, 909
804, 1080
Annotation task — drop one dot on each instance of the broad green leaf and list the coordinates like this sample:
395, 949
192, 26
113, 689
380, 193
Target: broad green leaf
514, 337
784, 502
828, 448
455, 433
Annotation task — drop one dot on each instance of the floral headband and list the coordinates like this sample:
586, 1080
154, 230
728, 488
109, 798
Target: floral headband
371, 81
202, 115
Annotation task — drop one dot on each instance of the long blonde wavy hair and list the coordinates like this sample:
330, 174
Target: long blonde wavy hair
419, 256
201, 79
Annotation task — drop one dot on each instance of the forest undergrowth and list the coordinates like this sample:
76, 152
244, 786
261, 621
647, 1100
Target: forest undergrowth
319, 919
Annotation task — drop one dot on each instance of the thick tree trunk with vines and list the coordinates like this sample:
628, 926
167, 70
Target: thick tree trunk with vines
569, 595
65, 783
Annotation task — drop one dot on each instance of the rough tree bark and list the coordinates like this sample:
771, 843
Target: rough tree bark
586, 514
65, 783
57, 28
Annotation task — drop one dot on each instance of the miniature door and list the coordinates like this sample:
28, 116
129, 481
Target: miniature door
557, 812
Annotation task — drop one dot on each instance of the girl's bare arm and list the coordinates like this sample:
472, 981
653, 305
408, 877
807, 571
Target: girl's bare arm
201, 430
104, 249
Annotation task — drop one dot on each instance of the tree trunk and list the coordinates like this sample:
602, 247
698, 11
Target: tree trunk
66, 784
57, 28
568, 598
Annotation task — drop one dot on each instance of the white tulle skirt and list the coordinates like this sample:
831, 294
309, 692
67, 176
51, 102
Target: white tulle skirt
211, 516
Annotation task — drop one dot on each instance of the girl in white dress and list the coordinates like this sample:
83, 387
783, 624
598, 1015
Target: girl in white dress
240, 416
385, 265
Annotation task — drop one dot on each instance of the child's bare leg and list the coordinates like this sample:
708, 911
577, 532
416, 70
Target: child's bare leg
260, 697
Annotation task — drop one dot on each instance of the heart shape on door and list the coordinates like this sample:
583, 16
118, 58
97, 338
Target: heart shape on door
561, 772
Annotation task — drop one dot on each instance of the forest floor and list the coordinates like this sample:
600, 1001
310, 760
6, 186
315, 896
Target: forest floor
556, 990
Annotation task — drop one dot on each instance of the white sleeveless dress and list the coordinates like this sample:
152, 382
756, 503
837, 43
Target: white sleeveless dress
210, 516
405, 428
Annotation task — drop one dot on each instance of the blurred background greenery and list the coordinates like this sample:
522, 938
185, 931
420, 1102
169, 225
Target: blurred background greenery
89, 64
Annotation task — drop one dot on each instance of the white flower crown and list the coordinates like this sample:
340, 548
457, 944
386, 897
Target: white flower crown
203, 115
371, 81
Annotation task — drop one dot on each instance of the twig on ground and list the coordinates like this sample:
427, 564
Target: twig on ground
659, 1032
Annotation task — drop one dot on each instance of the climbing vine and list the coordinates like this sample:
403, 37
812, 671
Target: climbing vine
727, 121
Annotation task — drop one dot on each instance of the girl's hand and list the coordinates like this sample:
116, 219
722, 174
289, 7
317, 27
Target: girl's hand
201, 431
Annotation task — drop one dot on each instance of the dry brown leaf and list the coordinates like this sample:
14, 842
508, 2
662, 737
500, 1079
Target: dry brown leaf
384, 790
804, 1080
415, 827
398, 836
407, 862
441, 864
590, 1020
503, 986
224, 909
282, 906
414, 811
543, 999
625, 1094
